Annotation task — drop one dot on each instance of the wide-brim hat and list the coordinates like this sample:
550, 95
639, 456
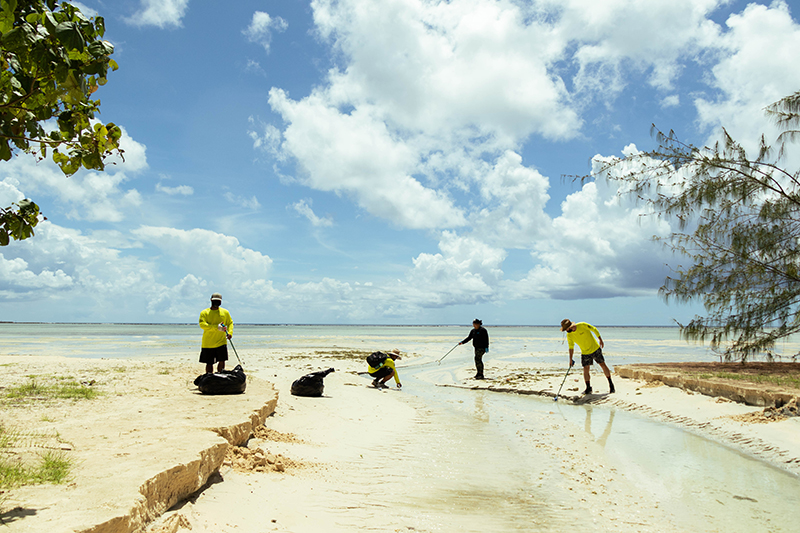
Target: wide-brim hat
566, 324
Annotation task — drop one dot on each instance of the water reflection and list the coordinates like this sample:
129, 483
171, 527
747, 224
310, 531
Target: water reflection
587, 425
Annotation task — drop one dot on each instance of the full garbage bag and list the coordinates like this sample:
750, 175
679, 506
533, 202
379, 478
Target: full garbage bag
310, 384
225, 382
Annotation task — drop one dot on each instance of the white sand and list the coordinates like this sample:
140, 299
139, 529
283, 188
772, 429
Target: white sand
362, 459
357, 474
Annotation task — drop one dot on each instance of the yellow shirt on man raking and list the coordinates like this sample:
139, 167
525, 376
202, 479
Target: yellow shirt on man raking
584, 338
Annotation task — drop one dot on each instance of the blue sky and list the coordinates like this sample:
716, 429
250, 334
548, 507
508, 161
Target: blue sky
387, 162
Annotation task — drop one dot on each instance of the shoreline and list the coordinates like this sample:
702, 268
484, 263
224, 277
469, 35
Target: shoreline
313, 456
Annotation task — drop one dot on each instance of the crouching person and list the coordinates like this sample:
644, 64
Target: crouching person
382, 368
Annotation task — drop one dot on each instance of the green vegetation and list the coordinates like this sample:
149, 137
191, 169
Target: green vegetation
737, 221
780, 380
53, 60
48, 466
34, 389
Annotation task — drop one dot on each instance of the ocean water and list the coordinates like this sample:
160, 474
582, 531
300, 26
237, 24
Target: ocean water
534, 343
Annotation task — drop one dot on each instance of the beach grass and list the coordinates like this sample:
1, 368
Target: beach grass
64, 389
791, 381
47, 466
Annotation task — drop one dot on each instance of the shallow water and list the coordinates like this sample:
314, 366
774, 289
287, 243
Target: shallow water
470, 462
696, 482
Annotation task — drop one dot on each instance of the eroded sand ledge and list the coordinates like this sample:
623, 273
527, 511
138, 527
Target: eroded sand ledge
148, 442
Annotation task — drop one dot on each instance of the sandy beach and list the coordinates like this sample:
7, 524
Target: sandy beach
444, 453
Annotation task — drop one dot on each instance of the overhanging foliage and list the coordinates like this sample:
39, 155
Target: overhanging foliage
53, 59
738, 224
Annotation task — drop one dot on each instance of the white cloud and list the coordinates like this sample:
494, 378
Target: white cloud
160, 13
261, 27
304, 208
251, 202
268, 140
758, 67
88, 195
672, 100
358, 155
183, 190
206, 254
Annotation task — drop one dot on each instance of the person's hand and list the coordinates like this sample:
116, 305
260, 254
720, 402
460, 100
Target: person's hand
222, 327
602, 345
571, 363
399, 385
230, 336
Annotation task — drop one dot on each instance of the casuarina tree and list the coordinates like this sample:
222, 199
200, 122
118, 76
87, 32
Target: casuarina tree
736, 222
53, 60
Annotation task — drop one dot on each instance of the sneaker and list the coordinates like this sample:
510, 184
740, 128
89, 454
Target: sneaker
588, 389
479, 377
376, 383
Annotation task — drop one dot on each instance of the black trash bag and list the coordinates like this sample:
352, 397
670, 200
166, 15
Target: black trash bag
310, 384
225, 382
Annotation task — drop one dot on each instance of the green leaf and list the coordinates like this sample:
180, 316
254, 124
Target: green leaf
100, 26
50, 23
7, 15
101, 48
5, 150
69, 34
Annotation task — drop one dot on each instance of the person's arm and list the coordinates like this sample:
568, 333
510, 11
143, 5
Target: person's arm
390, 362
471, 334
204, 322
571, 349
596, 334
229, 324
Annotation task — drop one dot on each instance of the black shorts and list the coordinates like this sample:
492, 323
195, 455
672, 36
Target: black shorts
382, 372
210, 356
586, 360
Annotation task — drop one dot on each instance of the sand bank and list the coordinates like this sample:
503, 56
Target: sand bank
145, 443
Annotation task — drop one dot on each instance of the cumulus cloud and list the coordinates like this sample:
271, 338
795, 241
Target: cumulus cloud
422, 121
160, 13
357, 155
205, 253
754, 71
261, 27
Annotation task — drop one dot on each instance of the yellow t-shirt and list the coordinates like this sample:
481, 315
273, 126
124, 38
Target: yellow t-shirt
209, 319
584, 338
390, 363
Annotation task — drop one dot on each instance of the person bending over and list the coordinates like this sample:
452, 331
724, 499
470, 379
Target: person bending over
386, 370
591, 350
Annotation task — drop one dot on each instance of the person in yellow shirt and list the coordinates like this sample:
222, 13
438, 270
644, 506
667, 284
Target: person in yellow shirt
386, 370
591, 349
217, 329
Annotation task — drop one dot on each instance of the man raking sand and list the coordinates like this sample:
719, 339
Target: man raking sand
591, 350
